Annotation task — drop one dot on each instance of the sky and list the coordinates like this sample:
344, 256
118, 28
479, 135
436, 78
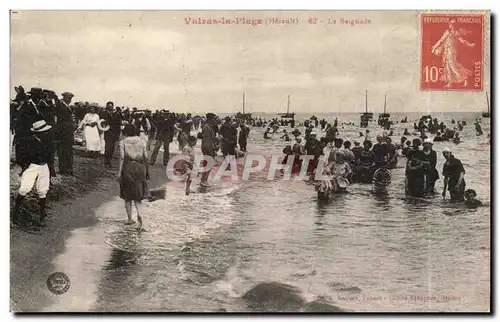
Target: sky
153, 59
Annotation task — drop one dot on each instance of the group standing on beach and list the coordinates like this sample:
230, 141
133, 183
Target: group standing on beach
43, 124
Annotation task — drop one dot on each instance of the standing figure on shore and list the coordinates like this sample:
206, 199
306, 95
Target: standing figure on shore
104, 114
111, 136
229, 135
243, 137
152, 130
184, 167
27, 114
33, 160
185, 127
133, 172
89, 125
453, 173
208, 145
164, 136
48, 112
142, 124
65, 136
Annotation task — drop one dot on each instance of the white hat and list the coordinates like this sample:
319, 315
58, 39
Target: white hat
40, 126
101, 125
429, 140
313, 133
446, 150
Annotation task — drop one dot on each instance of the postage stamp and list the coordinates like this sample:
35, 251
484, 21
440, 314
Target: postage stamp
452, 52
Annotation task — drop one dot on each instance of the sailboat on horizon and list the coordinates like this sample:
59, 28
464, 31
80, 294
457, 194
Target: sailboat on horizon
243, 115
487, 114
385, 114
287, 115
366, 114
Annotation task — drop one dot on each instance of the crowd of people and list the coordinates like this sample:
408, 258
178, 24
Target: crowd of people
43, 125
365, 162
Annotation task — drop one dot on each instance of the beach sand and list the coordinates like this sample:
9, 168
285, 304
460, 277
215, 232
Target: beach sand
71, 204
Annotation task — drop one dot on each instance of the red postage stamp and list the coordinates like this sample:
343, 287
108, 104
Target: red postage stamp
452, 52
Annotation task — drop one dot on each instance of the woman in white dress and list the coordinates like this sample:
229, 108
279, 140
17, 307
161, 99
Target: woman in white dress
91, 132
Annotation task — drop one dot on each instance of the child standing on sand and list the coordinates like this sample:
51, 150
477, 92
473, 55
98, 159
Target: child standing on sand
184, 167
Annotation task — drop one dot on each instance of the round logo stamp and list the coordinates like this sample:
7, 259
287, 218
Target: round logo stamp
58, 283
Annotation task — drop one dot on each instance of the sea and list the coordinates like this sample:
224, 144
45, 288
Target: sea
271, 246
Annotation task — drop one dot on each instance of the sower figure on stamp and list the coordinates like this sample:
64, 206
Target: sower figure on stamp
65, 134
34, 160
447, 46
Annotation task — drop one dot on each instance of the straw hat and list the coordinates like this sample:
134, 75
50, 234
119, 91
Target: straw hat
428, 141
40, 126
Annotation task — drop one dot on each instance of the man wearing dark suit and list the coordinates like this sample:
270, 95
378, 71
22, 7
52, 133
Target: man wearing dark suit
48, 111
164, 135
65, 134
27, 114
111, 136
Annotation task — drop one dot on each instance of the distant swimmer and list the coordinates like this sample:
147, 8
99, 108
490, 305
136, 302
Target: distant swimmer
438, 137
266, 133
285, 136
479, 130
470, 199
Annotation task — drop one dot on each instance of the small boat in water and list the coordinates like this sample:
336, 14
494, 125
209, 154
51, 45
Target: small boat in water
243, 116
366, 114
287, 115
385, 114
487, 114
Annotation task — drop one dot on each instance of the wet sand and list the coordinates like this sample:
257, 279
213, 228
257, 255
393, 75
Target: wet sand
71, 204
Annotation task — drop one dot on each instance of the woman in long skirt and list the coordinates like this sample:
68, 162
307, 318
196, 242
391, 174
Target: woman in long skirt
91, 132
133, 172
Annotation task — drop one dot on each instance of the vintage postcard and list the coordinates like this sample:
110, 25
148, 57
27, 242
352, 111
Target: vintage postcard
250, 161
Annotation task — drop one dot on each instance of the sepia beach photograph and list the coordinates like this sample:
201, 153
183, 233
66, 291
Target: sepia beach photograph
256, 161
